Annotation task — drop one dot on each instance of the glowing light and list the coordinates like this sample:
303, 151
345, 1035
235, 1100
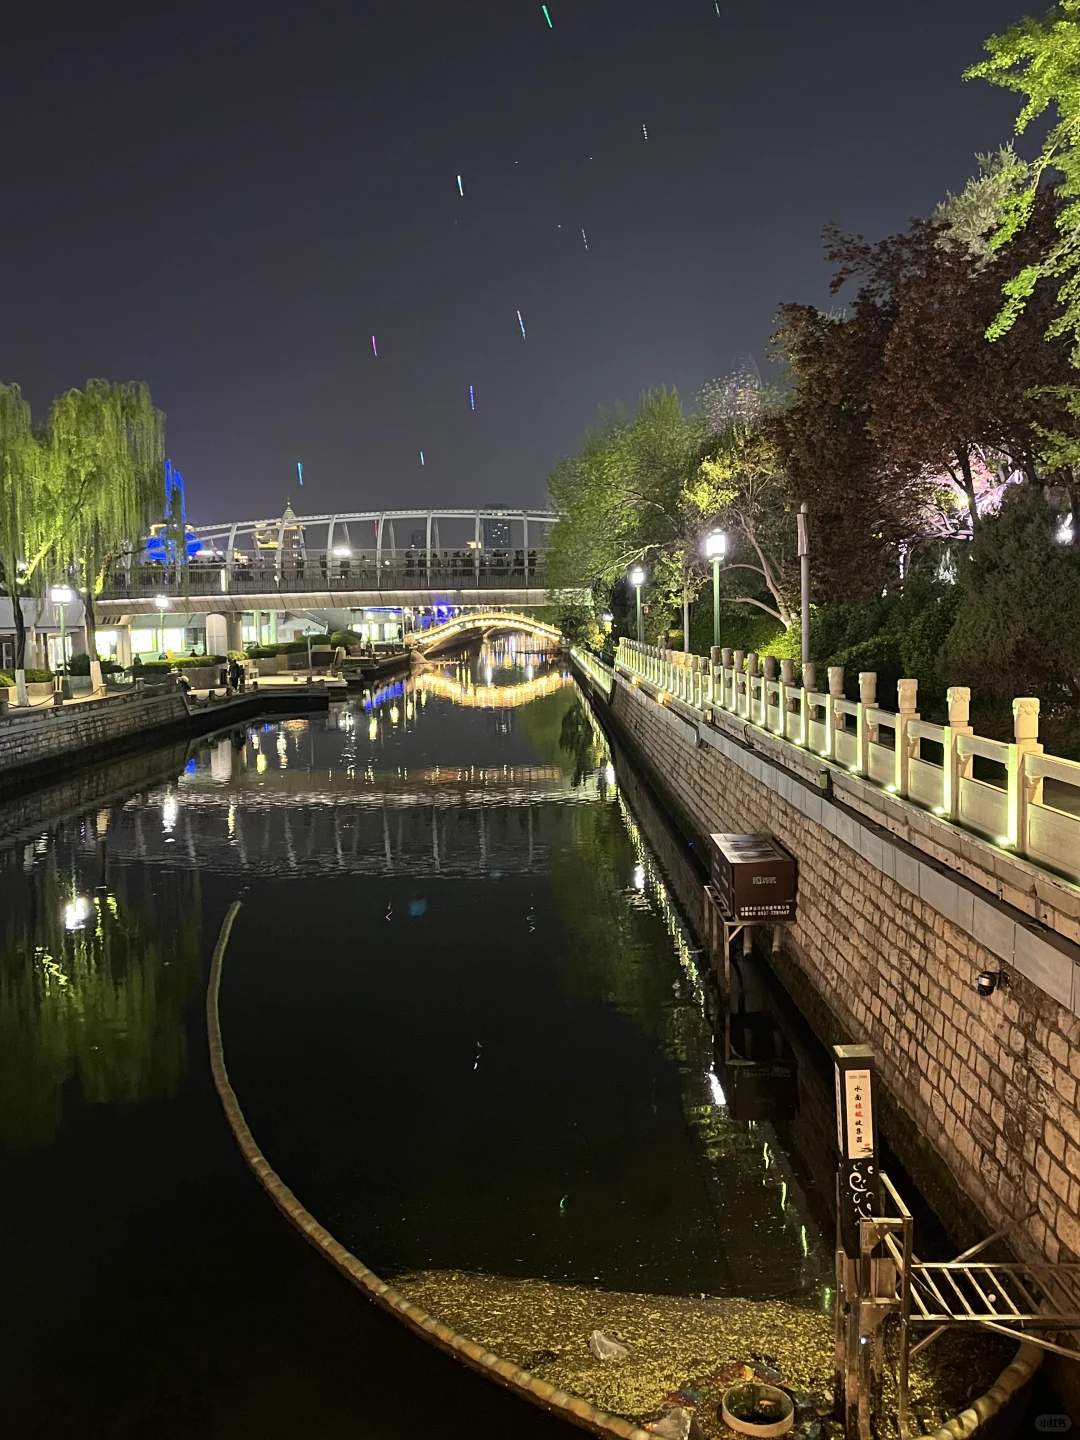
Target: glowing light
1004, 840
645, 133
260, 762
547, 17
609, 773
522, 324
421, 457
76, 913
639, 877
805, 1242
300, 471
719, 1098
343, 552
584, 239
472, 398
374, 346
169, 812
940, 810
373, 728
461, 187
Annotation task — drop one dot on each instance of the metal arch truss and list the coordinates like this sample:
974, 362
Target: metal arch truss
337, 526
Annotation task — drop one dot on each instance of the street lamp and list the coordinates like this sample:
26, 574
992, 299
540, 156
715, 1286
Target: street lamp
715, 549
62, 595
637, 579
162, 603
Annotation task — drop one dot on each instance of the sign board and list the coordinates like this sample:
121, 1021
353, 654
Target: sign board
858, 1193
754, 878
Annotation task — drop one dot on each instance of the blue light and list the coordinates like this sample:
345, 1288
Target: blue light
300, 471
472, 399
190, 767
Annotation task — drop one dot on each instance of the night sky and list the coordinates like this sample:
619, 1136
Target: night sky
228, 200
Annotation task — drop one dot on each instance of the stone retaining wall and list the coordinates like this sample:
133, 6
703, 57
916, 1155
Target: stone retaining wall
39, 744
890, 937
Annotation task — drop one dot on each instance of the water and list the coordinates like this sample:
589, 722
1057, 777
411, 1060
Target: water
462, 1014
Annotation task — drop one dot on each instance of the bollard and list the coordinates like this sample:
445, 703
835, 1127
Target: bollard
906, 691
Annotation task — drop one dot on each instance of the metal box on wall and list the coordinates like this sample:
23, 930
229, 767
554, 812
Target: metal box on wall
754, 878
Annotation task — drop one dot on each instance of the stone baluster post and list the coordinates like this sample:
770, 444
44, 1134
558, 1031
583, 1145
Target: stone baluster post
1022, 791
788, 693
726, 663
752, 672
716, 675
809, 684
865, 733
768, 665
834, 720
953, 767
738, 679
906, 691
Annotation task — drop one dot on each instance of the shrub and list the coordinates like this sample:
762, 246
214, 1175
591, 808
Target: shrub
158, 666
344, 638
33, 677
283, 647
80, 665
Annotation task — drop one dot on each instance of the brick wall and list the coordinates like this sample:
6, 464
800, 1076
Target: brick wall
888, 945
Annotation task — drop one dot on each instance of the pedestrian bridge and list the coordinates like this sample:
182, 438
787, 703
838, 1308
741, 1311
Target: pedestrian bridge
384, 558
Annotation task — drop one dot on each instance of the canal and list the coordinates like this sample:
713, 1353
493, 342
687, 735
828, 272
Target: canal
462, 1012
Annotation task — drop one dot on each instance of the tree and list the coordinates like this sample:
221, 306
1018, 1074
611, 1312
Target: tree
859, 513
1009, 637
20, 473
741, 486
106, 454
623, 500
943, 398
1040, 60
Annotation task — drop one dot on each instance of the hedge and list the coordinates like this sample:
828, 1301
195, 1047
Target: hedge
187, 663
33, 677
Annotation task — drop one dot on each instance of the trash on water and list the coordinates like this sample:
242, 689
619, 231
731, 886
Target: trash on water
674, 1426
605, 1348
417, 908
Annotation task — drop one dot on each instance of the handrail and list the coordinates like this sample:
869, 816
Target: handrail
1015, 816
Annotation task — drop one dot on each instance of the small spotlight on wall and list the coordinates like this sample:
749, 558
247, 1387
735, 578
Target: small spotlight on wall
988, 981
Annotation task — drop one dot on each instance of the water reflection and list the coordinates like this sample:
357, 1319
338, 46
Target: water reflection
462, 1010
94, 975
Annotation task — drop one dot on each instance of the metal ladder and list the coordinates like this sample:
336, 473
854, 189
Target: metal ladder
1009, 1298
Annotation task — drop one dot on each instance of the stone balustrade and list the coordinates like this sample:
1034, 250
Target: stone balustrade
1022, 800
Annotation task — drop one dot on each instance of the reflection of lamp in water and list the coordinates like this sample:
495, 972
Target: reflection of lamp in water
639, 877
609, 773
169, 812
395, 715
373, 728
76, 913
719, 1098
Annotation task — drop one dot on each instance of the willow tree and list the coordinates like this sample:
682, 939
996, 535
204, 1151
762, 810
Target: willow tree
106, 456
22, 520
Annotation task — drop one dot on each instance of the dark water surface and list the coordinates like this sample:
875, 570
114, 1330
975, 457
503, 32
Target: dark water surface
462, 1015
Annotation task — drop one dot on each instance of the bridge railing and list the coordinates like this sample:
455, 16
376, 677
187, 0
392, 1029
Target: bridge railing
1020, 799
314, 576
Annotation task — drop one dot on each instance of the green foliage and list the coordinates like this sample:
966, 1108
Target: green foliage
279, 647
1016, 631
344, 638
184, 663
33, 677
1040, 60
80, 665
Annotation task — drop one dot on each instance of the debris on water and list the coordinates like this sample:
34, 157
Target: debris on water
674, 1426
604, 1347
417, 908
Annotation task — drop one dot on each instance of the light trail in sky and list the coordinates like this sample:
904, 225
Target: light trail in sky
547, 17
522, 324
472, 399
374, 346
461, 187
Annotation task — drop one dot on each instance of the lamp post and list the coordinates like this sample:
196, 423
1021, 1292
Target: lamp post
162, 603
62, 595
637, 579
715, 549
804, 569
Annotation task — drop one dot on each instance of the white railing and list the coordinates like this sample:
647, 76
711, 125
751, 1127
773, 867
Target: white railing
1023, 800
595, 669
